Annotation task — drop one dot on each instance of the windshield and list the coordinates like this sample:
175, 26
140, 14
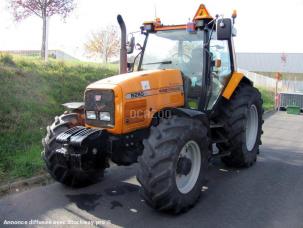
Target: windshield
175, 49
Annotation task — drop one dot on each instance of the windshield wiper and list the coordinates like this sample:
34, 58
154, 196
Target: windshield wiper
164, 62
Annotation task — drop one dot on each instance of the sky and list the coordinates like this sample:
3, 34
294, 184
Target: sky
262, 25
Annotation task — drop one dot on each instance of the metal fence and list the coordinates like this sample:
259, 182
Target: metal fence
260, 80
287, 99
56, 54
270, 83
292, 86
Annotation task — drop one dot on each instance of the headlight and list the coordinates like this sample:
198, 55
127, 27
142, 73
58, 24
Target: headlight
104, 116
91, 115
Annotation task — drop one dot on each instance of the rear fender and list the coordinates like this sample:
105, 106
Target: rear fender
233, 83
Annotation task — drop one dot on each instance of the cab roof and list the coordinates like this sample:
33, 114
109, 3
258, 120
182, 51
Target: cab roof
201, 14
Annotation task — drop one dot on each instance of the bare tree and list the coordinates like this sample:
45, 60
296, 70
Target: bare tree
43, 9
104, 43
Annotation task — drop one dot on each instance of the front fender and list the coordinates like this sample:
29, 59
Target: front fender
195, 114
74, 106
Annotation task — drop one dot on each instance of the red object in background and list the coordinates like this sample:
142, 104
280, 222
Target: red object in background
277, 95
278, 76
277, 100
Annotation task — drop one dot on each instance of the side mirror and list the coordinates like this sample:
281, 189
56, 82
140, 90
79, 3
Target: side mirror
218, 63
224, 29
131, 45
130, 67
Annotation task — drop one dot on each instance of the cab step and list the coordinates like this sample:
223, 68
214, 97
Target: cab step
220, 155
219, 140
216, 125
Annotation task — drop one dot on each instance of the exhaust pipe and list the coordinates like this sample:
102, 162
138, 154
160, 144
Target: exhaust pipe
123, 51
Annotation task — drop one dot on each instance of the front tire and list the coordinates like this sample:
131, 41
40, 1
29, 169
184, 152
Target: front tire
58, 166
172, 169
242, 117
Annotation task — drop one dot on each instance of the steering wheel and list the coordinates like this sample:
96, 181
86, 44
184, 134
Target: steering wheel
214, 77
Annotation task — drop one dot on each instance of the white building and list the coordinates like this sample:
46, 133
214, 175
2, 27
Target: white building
271, 62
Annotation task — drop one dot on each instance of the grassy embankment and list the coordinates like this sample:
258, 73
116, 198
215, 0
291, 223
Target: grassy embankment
31, 94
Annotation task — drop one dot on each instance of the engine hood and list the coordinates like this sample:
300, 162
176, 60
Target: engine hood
140, 81
143, 92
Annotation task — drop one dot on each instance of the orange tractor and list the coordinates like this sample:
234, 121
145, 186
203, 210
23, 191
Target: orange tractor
182, 98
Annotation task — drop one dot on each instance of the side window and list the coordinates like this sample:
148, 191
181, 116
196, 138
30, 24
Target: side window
220, 50
219, 75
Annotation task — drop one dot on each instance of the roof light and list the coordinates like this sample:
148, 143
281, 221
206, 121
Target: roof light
157, 21
191, 27
234, 15
148, 27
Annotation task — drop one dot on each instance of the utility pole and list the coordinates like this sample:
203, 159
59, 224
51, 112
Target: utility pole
277, 97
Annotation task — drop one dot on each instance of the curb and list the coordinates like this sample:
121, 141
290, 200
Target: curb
268, 113
27, 183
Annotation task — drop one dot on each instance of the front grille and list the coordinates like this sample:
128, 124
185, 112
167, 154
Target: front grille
100, 101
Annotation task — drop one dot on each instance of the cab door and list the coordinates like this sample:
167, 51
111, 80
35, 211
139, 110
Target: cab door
219, 76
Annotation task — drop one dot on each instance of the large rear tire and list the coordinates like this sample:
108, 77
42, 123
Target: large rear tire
58, 165
174, 163
242, 118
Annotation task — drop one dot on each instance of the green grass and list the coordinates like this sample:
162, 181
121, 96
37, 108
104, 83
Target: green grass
31, 94
268, 99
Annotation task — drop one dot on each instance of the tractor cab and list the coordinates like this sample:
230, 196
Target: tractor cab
202, 50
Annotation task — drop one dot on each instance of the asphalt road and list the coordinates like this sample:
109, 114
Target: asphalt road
269, 194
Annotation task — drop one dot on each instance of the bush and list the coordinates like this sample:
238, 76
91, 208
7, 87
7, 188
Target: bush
7, 59
268, 99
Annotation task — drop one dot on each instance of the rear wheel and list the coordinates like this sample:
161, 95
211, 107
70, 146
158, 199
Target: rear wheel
59, 166
242, 116
173, 166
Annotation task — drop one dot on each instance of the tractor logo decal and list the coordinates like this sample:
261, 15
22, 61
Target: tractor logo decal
98, 97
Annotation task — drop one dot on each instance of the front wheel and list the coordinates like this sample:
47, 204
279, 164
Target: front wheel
173, 166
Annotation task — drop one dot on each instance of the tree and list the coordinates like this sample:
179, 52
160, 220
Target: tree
43, 9
104, 43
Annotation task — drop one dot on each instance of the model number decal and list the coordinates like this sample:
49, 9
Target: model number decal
135, 95
154, 92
